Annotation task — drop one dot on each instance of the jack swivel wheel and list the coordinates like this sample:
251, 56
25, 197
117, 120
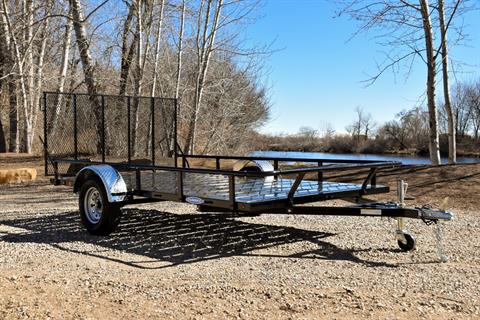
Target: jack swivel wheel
407, 242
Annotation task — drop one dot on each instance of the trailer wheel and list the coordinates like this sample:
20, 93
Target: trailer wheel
99, 216
409, 245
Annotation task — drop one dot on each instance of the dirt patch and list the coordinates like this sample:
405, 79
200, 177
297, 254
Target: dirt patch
167, 261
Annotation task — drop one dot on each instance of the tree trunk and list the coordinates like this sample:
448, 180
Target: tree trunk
127, 52
143, 47
155, 70
137, 78
434, 144
157, 50
3, 142
87, 64
83, 46
179, 69
62, 74
180, 52
205, 50
13, 140
10, 81
37, 91
452, 143
16, 56
27, 51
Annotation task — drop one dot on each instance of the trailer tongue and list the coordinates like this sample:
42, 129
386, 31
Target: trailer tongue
112, 161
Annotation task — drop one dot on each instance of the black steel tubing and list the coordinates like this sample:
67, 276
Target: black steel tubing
293, 159
231, 187
228, 172
45, 133
129, 129
103, 129
75, 129
152, 110
175, 143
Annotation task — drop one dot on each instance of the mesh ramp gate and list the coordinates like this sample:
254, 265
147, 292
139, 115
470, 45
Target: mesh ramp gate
108, 128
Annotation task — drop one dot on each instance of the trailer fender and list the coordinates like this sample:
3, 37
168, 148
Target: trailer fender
112, 181
254, 165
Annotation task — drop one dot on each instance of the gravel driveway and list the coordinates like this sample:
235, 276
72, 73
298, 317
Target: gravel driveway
168, 262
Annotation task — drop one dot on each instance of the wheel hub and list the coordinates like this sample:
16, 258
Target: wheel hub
93, 205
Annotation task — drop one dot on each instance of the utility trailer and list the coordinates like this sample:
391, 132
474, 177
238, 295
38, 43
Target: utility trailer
121, 150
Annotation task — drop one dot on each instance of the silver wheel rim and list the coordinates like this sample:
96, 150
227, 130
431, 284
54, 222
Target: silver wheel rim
93, 205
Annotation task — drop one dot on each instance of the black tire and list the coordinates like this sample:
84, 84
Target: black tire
102, 218
409, 245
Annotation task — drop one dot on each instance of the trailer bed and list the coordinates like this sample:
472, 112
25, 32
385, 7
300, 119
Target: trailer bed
253, 190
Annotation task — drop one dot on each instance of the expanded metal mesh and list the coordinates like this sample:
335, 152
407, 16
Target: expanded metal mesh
108, 128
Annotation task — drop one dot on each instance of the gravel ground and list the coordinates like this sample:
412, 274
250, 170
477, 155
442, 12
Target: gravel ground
166, 261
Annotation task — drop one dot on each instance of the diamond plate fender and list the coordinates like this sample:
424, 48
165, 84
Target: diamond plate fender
111, 178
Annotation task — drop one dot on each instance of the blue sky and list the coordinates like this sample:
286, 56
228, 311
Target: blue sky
316, 77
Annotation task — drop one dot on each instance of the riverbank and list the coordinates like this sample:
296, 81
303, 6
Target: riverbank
380, 144
405, 152
403, 158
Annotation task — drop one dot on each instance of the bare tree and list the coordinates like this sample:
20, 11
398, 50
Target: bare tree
408, 132
6, 56
406, 27
144, 15
361, 126
468, 109
434, 144
326, 130
83, 46
87, 63
157, 48
128, 51
3, 142
205, 40
452, 143
36, 91
180, 51
156, 62
62, 74
18, 63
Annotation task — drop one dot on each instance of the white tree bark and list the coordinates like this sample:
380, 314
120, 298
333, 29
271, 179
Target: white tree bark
452, 142
143, 47
157, 49
155, 68
37, 90
62, 74
10, 80
180, 51
87, 64
206, 34
434, 144
18, 64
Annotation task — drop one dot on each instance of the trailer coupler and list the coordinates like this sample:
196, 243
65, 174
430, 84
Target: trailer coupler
429, 215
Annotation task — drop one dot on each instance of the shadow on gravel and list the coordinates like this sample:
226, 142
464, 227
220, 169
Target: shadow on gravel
175, 239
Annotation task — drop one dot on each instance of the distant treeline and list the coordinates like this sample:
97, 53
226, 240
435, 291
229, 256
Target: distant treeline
408, 133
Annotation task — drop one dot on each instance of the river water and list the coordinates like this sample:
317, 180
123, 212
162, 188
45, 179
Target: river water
405, 159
